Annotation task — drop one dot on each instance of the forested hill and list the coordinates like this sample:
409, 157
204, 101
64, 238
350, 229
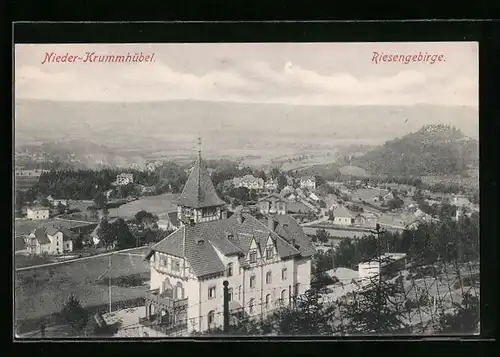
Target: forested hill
433, 150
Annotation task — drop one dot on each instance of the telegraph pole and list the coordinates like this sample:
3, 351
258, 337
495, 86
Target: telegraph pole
333, 256
109, 282
378, 232
226, 306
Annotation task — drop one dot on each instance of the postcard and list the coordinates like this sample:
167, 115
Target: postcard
252, 189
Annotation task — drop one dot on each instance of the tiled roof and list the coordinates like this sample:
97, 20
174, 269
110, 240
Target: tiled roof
41, 235
272, 195
341, 211
230, 237
293, 231
199, 190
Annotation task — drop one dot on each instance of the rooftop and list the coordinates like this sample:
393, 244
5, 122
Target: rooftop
198, 243
199, 190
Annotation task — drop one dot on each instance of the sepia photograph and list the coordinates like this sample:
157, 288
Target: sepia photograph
173, 190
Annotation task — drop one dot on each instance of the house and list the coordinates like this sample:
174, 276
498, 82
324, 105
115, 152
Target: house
342, 216
297, 207
265, 264
461, 201
366, 219
388, 196
384, 265
57, 201
50, 240
314, 197
271, 185
308, 182
37, 212
272, 203
169, 221
292, 197
249, 181
124, 179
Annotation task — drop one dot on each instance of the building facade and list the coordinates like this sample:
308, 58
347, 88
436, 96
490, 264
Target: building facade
266, 263
124, 179
49, 240
342, 216
308, 182
250, 182
272, 204
37, 213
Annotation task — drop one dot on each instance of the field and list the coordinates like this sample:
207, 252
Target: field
470, 182
43, 291
154, 204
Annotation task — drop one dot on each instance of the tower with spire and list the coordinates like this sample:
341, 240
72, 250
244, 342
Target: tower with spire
199, 201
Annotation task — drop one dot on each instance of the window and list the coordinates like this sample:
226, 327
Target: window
230, 294
211, 292
283, 296
268, 300
179, 291
211, 317
283, 274
269, 253
176, 265
253, 257
269, 277
250, 306
252, 281
229, 271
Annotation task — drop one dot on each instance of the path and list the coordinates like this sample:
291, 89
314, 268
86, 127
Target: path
80, 259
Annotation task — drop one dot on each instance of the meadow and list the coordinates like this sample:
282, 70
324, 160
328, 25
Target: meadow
159, 204
43, 291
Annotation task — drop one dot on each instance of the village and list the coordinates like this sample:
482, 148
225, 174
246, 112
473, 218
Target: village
56, 230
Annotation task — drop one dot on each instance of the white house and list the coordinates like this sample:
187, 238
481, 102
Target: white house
314, 197
265, 264
124, 179
385, 264
343, 216
50, 240
37, 213
272, 204
308, 182
249, 181
56, 201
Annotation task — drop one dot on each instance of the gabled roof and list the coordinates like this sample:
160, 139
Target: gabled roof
272, 195
42, 232
41, 235
290, 230
341, 211
199, 190
229, 236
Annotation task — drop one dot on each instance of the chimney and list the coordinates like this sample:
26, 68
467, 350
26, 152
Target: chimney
271, 224
293, 243
239, 217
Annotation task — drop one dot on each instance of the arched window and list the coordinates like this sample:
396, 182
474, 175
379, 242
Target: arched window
179, 291
269, 277
229, 271
283, 296
250, 306
268, 300
211, 318
166, 285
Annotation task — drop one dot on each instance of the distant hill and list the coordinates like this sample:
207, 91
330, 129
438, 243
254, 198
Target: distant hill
433, 150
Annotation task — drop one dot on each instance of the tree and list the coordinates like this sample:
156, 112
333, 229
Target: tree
282, 181
74, 314
464, 319
100, 201
377, 308
60, 208
106, 234
309, 316
319, 180
322, 236
395, 203
275, 173
123, 237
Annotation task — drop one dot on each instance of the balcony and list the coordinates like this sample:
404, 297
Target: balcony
169, 303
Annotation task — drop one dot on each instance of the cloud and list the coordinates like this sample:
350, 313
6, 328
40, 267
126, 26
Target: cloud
251, 82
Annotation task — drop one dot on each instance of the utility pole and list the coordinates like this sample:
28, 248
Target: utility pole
378, 232
290, 295
226, 306
333, 256
109, 282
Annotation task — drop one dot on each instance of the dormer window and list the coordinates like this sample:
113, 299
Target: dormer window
253, 257
269, 253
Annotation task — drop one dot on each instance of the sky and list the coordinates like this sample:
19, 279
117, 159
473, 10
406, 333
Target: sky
286, 73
